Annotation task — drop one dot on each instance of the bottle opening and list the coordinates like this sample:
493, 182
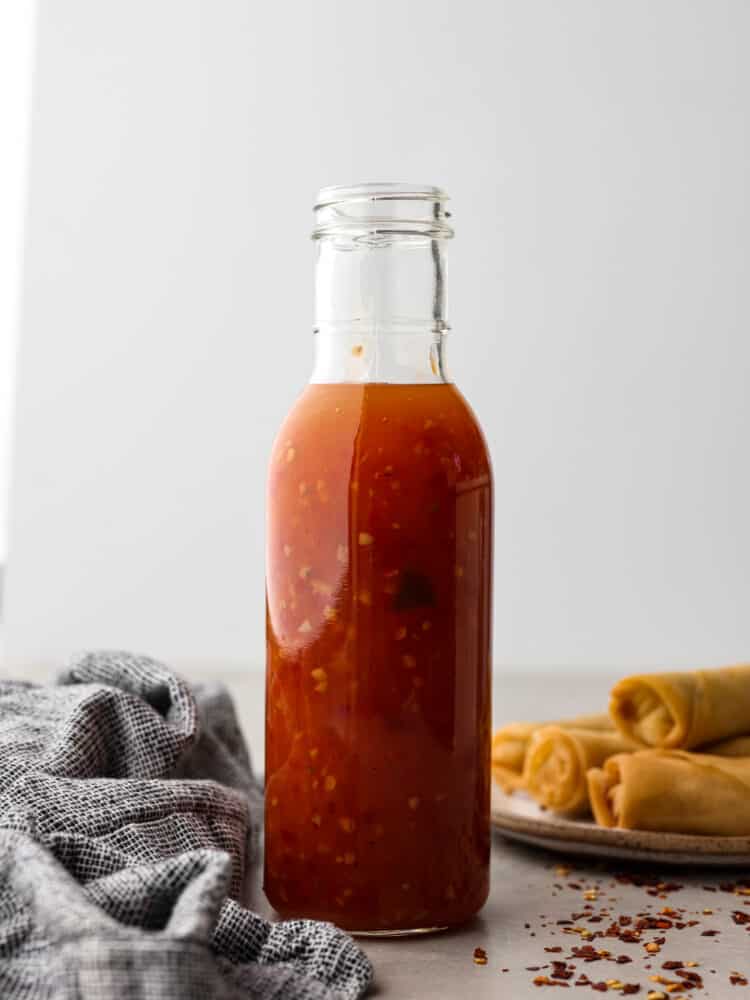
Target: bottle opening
370, 213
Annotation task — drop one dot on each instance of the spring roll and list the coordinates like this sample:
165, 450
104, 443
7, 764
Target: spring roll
674, 791
737, 747
557, 761
683, 710
510, 743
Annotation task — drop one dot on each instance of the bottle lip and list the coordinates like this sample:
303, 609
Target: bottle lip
372, 213
384, 191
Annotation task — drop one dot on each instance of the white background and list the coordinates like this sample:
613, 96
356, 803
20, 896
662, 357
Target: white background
16, 48
598, 156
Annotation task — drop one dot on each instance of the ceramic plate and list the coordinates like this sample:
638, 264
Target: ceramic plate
520, 818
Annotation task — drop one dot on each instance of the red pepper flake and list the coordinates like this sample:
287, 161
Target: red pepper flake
546, 981
672, 965
736, 979
630, 937
709, 933
623, 959
561, 971
480, 956
588, 953
556, 948
630, 989
692, 979
740, 918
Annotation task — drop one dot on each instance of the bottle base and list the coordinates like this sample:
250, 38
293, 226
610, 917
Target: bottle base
408, 932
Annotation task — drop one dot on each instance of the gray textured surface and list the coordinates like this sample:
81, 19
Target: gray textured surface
523, 888
441, 966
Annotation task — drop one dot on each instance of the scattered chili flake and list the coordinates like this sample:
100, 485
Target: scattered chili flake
561, 971
740, 918
555, 948
692, 979
480, 956
672, 965
737, 979
546, 981
709, 933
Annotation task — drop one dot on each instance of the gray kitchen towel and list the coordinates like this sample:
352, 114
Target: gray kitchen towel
129, 815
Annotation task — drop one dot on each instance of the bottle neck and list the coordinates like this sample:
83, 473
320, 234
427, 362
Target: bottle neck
380, 309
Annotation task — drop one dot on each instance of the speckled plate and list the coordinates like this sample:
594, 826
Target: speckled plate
519, 818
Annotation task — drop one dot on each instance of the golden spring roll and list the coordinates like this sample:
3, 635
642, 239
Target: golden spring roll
510, 743
737, 747
557, 761
683, 710
673, 791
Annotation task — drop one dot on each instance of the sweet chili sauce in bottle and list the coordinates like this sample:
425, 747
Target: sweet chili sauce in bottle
379, 579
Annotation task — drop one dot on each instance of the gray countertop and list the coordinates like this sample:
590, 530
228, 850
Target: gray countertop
532, 891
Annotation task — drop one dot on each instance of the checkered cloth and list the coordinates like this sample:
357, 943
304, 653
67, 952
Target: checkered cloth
128, 815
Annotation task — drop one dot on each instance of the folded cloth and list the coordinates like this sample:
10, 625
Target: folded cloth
557, 761
129, 814
511, 742
682, 710
672, 790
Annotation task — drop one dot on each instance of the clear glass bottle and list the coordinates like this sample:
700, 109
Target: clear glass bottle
379, 579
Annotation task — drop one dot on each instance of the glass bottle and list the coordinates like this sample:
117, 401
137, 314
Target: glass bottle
379, 579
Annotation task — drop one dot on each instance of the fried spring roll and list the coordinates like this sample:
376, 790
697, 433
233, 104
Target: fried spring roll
557, 761
737, 747
683, 710
674, 791
510, 744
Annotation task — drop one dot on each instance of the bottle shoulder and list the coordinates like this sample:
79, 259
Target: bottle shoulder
427, 423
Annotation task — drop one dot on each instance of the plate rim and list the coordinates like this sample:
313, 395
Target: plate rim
557, 832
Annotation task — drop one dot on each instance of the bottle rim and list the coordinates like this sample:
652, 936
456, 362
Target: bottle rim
367, 213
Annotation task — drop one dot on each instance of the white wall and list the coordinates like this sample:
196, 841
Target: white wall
16, 47
598, 157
